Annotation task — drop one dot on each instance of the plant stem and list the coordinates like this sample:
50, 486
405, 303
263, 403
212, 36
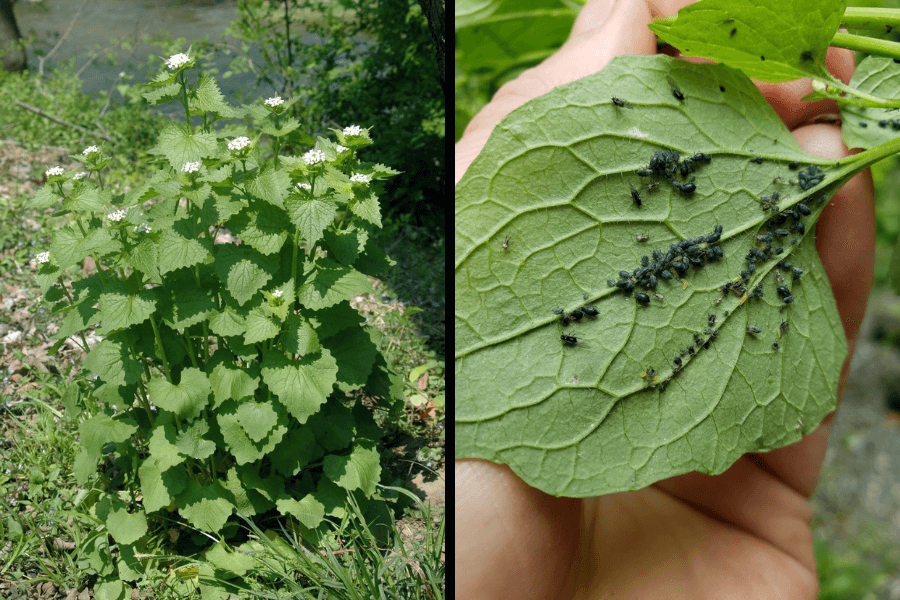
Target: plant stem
871, 18
100, 179
184, 102
71, 303
162, 351
862, 43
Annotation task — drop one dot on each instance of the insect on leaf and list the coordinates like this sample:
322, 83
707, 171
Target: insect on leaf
613, 410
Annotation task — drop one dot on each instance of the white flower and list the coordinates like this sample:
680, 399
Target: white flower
352, 130
239, 143
340, 148
117, 215
43, 257
176, 60
313, 156
90, 150
142, 228
275, 101
361, 178
304, 186
54, 171
79, 176
277, 294
191, 167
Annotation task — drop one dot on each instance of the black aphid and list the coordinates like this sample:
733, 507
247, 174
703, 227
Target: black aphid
783, 291
651, 282
645, 260
803, 209
621, 103
793, 166
712, 320
687, 189
789, 299
664, 385
752, 268
676, 91
667, 275
794, 241
701, 157
691, 350
883, 123
797, 272
635, 196
609, 282
624, 274
725, 314
565, 320
745, 275
806, 56
775, 345
557, 311
801, 228
649, 374
767, 237
778, 251
733, 32
757, 159
696, 335
761, 57
576, 314
644, 172
677, 361
590, 311
642, 298
569, 340
863, 124
784, 327
706, 345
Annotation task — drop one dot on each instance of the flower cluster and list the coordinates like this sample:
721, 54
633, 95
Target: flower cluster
176, 60
117, 215
142, 228
91, 150
78, 176
340, 148
273, 102
43, 257
191, 167
54, 171
314, 156
239, 143
277, 294
304, 186
361, 178
352, 130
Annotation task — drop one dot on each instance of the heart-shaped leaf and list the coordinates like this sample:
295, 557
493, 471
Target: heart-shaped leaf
670, 376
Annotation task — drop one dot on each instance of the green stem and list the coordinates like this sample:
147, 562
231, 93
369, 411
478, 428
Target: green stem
869, 45
871, 18
100, 179
162, 350
190, 349
184, 102
294, 259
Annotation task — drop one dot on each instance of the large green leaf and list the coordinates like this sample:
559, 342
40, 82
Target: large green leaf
208, 97
750, 35
310, 215
187, 399
205, 507
328, 283
308, 510
120, 309
302, 386
236, 433
94, 433
358, 470
180, 247
545, 216
180, 146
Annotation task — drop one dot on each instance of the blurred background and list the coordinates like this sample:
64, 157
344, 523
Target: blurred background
856, 522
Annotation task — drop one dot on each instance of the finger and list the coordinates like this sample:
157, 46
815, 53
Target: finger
512, 541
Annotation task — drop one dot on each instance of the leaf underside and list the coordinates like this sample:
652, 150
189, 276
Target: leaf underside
545, 217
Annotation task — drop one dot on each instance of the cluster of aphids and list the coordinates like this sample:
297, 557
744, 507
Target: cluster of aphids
685, 354
809, 177
577, 314
894, 123
668, 164
674, 264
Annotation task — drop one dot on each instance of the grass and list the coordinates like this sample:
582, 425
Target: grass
46, 539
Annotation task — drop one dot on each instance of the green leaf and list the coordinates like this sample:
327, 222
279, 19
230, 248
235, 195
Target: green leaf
159, 486
310, 215
360, 470
581, 420
187, 306
343, 245
187, 399
750, 35
180, 146
94, 433
257, 419
231, 383
144, 257
69, 247
328, 283
301, 386
295, 452
262, 226
299, 337
876, 76
290, 124
259, 327
355, 355
271, 185
162, 444
329, 321
242, 271
111, 362
125, 527
205, 507
227, 322
232, 562
110, 590
247, 501
46, 197
308, 510
179, 247
86, 198
368, 209
162, 94
120, 309
191, 441
208, 98
243, 448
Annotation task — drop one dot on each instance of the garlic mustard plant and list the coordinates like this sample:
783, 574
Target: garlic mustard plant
222, 339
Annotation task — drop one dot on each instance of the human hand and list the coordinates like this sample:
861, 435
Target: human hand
742, 534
